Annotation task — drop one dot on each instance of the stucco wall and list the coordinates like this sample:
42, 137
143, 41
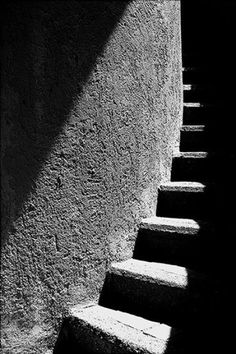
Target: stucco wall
91, 108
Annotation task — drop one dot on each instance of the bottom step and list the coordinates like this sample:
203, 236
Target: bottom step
97, 329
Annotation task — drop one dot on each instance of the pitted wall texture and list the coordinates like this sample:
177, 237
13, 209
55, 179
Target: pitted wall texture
91, 109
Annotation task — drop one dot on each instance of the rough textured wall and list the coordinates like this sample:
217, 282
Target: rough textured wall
91, 106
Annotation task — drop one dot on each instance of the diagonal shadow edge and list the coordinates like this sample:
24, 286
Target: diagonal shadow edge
45, 86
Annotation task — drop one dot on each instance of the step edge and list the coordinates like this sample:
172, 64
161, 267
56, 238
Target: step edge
197, 87
157, 333
198, 105
191, 155
178, 225
192, 128
153, 272
182, 186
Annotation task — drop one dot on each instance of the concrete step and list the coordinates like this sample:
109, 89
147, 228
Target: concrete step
193, 166
160, 292
197, 92
186, 200
175, 241
172, 225
197, 113
193, 138
97, 329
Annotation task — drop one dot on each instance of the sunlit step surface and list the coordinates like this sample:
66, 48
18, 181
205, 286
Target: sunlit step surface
98, 329
182, 226
183, 186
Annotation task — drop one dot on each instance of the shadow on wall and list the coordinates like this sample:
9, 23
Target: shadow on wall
49, 50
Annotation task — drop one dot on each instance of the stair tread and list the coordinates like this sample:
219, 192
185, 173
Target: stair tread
182, 186
194, 69
159, 273
192, 128
194, 87
192, 155
131, 330
179, 225
197, 105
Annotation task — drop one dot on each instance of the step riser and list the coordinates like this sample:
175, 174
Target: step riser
166, 247
191, 169
199, 95
157, 302
193, 61
195, 77
193, 141
198, 115
176, 248
184, 205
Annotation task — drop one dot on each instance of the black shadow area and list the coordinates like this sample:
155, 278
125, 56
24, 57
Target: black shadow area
208, 42
48, 52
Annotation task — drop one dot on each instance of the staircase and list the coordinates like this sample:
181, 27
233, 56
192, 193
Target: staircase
164, 299
174, 295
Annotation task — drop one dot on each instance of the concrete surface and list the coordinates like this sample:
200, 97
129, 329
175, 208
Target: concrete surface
152, 272
183, 186
182, 226
192, 128
91, 110
105, 330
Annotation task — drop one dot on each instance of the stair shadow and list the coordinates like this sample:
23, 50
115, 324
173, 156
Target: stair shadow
49, 51
186, 251
208, 32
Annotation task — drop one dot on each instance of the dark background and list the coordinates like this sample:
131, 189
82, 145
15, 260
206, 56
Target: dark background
208, 40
